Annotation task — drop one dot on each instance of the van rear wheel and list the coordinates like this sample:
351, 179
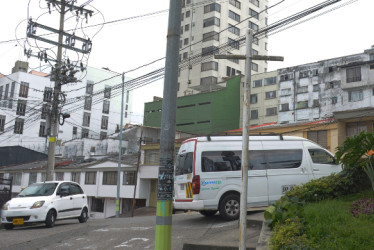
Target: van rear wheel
208, 213
229, 207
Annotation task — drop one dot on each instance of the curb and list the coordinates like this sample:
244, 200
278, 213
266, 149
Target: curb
265, 235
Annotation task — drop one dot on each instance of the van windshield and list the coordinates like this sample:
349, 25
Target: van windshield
38, 189
183, 163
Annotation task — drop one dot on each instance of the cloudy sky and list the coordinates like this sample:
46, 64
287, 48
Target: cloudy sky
125, 45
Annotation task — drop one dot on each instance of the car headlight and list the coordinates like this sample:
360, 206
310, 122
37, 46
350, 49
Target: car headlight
38, 204
6, 205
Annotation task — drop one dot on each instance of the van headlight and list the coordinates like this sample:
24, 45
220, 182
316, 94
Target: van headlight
6, 206
37, 204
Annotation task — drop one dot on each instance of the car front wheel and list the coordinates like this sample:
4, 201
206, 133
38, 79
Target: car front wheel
84, 216
50, 219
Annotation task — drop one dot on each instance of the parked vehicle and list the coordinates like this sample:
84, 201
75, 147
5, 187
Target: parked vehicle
208, 171
46, 202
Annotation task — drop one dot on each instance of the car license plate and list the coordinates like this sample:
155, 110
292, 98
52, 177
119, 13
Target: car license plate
18, 221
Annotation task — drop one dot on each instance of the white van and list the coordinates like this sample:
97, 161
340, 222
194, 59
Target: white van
208, 171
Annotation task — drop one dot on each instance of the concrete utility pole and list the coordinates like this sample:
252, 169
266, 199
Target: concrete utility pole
166, 171
245, 128
62, 73
120, 148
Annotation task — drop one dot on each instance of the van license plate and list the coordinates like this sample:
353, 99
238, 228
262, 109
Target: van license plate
286, 188
18, 221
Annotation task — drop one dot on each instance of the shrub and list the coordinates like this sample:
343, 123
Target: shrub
363, 206
290, 235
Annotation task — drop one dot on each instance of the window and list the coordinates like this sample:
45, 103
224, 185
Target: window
319, 137
234, 16
371, 57
271, 94
302, 89
271, 111
315, 103
371, 66
257, 83
208, 80
185, 41
107, 91
254, 66
321, 156
253, 99
75, 176
285, 107
255, 40
97, 205
18, 126
2, 123
211, 21
42, 130
86, 119
186, 27
87, 102
233, 60
75, 130
270, 81
48, 94
1, 92
127, 96
17, 178
253, 13
104, 122
188, 13
151, 157
254, 114
303, 74
106, 105
90, 178
354, 128
89, 88
254, 52
110, 178
209, 51
230, 71
32, 178
353, 74
255, 2
60, 176
185, 55
85, 133
212, 7
21, 107
235, 3
213, 35
315, 88
129, 178
285, 92
103, 135
234, 30
334, 100
209, 66
252, 26
45, 110
302, 105
280, 159
23, 90
75, 189
286, 77
355, 95
233, 44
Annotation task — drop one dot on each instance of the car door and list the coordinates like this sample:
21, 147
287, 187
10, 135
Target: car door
64, 201
79, 199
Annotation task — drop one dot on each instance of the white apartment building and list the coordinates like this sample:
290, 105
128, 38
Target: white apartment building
93, 103
207, 26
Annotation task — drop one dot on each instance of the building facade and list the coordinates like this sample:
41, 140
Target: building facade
93, 102
216, 27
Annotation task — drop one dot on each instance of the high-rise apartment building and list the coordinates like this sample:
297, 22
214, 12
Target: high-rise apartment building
215, 27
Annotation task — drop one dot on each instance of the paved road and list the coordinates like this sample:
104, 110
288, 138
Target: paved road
130, 233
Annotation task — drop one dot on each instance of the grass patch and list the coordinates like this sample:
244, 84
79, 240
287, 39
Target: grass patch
331, 225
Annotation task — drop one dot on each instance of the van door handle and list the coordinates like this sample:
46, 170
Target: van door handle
315, 169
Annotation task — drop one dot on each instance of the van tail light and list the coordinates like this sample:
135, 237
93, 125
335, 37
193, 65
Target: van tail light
196, 184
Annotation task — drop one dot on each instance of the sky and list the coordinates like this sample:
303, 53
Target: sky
126, 45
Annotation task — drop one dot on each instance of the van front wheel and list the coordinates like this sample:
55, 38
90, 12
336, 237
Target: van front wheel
229, 207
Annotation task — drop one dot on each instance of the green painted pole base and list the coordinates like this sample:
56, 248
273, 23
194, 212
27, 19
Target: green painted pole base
164, 214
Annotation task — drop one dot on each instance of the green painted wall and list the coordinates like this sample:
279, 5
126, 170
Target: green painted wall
204, 113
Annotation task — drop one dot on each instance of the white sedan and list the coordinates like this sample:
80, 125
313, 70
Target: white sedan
46, 202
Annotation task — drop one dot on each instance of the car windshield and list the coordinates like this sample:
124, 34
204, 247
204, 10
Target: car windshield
38, 189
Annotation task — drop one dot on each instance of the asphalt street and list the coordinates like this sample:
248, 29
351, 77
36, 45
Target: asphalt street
189, 231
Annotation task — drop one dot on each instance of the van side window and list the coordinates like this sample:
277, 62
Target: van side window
289, 158
321, 156
217, 161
